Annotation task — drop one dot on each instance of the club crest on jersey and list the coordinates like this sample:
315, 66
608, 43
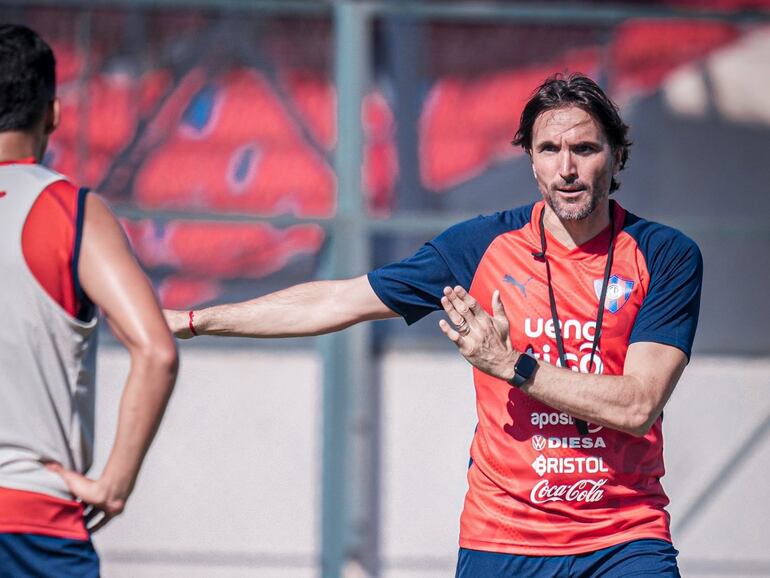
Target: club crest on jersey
618, 292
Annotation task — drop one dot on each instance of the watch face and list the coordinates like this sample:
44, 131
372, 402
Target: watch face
526, 365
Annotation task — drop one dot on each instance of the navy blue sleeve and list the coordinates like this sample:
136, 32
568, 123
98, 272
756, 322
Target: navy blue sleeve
413, 287
87, 309
669, 313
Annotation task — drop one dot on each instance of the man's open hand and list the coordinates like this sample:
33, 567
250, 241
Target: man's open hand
483, 340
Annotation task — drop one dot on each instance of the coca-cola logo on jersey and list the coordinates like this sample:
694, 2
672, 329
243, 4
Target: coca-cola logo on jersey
586, 491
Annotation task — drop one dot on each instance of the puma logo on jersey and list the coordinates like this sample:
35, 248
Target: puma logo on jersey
520, 286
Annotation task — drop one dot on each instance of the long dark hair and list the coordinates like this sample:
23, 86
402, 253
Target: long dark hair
578, 90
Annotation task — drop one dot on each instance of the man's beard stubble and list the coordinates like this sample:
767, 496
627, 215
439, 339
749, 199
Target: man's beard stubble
567, 211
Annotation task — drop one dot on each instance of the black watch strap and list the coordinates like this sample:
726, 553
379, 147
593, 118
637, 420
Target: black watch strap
523, 370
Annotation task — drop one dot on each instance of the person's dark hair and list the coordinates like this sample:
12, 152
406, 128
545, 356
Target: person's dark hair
578, 90
27, 77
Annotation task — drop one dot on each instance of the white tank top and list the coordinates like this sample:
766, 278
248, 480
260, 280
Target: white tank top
47, 357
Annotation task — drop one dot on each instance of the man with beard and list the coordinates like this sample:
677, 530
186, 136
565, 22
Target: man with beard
578, 318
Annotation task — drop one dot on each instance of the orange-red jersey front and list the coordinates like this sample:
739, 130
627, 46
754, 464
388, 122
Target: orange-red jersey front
536, 486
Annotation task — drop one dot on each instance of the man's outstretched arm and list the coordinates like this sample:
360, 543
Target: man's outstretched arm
311, 308
111, 277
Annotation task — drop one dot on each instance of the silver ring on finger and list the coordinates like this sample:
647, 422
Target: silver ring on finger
463, 328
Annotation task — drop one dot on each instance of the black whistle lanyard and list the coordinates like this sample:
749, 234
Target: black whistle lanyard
582, 427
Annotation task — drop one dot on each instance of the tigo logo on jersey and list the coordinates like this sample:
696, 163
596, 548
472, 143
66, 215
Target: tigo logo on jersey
618, 292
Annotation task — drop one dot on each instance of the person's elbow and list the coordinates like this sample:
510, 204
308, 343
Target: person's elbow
159, 355
167, 357
639, 418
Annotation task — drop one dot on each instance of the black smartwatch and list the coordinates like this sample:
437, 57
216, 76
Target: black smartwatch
523, 370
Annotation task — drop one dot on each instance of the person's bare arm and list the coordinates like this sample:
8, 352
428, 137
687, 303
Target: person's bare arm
630, 402
111, 277
311, 308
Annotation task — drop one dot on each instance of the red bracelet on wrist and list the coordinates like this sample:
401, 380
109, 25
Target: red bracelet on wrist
191, 324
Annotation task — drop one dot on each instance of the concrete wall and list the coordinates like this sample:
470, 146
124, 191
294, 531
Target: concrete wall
231, 486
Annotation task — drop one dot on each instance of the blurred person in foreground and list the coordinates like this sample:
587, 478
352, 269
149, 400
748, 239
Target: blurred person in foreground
578, 318
63, 255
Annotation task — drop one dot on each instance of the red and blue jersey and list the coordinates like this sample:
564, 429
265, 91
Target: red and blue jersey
536, 485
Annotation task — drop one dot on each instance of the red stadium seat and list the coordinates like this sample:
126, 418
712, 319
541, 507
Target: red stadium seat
216, 251
180, 292
380, 170
316, 101
106, 117
222, 250
468, 124
645, 52
237, 149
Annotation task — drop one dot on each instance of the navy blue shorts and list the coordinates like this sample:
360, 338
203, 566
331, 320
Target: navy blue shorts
29, 555
637, 559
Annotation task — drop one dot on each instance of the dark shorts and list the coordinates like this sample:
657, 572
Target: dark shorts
637, 559
29, 555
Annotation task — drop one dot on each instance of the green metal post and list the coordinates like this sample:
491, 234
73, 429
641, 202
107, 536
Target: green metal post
348, 525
